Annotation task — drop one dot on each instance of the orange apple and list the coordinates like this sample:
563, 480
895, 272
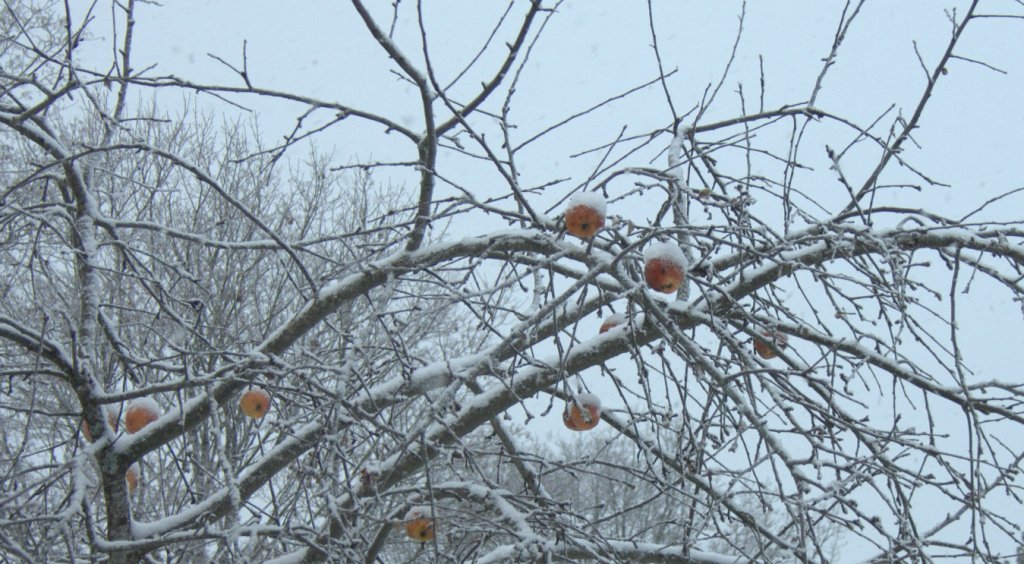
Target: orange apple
111, 418
132, 477
584, 419
764, 350
419, 523
140, 412
663, 267
613, 320
255, 402
585, 214
663, 276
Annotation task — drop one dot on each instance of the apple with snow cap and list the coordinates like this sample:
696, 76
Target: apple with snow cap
585, 214
111, 418
613, 320
584, 419
141, 412
255, 402
764, 349
419, 523
132, 477
664, 266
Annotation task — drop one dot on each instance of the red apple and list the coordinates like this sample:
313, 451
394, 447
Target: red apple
419, 523
664, 266
584, 419
132, 477
111, 418
140, 412
764, 350
255, 402
613, 320
585, 214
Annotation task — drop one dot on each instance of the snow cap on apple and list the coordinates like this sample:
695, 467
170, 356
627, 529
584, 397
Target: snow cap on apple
664, 266
419, 523
613, 320
588, 417
585, 214
141, 412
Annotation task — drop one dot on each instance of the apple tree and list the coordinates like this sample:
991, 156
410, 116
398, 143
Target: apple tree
773, 294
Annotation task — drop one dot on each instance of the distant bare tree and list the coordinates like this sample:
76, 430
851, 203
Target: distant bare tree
795, 373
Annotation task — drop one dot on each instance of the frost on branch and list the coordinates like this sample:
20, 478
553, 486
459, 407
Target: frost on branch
813, 361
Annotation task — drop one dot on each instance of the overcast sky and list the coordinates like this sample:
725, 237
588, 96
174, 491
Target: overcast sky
971, 136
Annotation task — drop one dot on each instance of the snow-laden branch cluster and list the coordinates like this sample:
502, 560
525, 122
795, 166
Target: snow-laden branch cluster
215, 347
